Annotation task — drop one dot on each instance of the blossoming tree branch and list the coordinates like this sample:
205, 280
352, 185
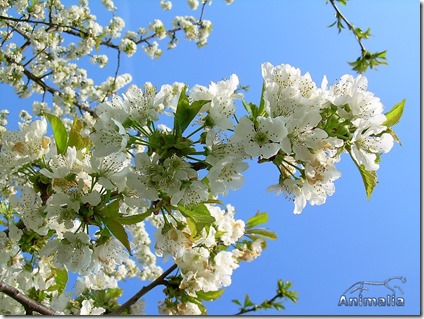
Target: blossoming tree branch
83, 176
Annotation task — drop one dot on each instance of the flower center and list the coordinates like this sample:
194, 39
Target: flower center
261, 138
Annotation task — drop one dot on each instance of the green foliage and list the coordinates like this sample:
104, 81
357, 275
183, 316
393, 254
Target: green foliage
133, 219
110, 215
185, 113
394, 115
368, 177
255, 111
258, 219
61, 279
199, 215
111, 210
105, 298
210, 295
368, 60
261, 232
176, 296
118, 231
255, 233
283, 293
167, 144
59, 132
75, 137
343, 2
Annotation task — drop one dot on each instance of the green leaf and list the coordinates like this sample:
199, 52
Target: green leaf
248, 107
262, 101
210, 295
133, 219
112, 209
247, 301
369, 60
193, 227
75, 137
370, 180
61, 279
393, 116
199, 214
254, 110
113, 293
236, 301
258, 219
262, 233
185, 112
332, 25
59, 132
118, 231
368, 177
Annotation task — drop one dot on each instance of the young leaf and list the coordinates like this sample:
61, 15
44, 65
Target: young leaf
61, 279
118, 231
247, 301
368, 177
133, 219
248, 107
200, 215
236, 301
112, 209
75, 137
262, 233
393, 116
370, 180
210, 295
258, 219
262, 101
194, 228
186, 112
59, 132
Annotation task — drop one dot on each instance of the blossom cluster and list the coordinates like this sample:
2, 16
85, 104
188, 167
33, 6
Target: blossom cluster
79, 200
303, 130
36, 63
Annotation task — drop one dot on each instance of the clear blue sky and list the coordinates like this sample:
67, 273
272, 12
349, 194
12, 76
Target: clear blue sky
349, 239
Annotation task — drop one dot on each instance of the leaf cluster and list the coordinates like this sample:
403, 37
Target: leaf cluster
367, 60
277, 302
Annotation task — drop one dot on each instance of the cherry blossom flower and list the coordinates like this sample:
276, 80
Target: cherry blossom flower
265, 139
367, 145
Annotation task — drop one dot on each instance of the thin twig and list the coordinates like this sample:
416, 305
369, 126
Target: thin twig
53, 91
350, 25
202, 11
257, 307
158, 281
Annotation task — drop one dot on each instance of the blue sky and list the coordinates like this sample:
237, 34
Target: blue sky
349, 239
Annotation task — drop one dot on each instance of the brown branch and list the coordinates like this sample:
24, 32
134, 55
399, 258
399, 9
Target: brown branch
158, 281
39, 80
29, 304
52, 91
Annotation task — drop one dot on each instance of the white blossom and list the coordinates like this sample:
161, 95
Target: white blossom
88, 309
